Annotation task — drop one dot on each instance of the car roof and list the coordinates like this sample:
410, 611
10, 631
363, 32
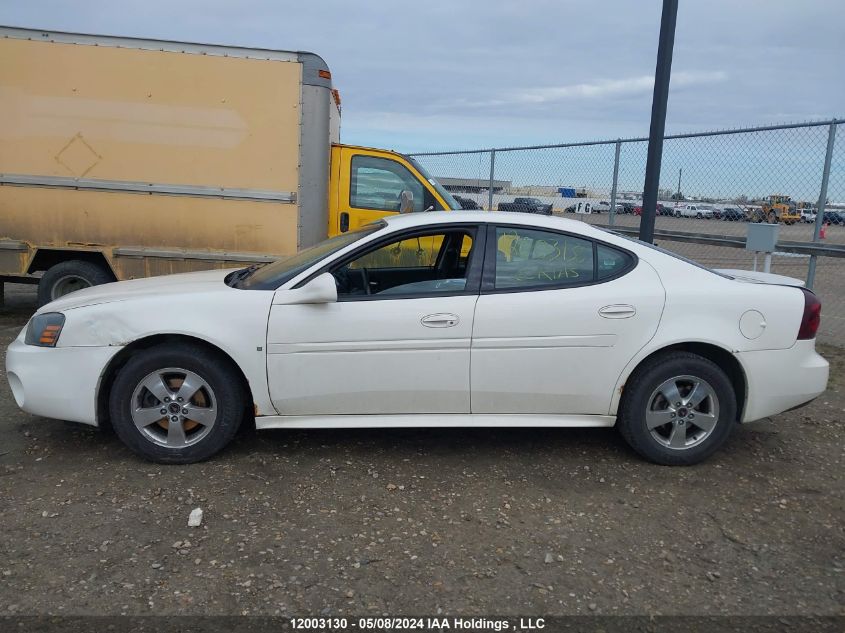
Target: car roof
576, 227
498, 217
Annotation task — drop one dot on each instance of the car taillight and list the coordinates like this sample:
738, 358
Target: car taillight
812, 316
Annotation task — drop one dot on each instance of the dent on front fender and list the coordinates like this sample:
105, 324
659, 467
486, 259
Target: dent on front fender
100, 328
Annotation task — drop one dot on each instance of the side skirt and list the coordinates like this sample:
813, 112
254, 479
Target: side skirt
436, 420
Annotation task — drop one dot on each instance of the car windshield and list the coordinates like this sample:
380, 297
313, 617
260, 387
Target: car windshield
281, 271
454, 205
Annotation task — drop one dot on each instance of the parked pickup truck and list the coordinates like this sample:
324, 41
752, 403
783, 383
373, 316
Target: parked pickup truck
693, 211
526, 205
467, 203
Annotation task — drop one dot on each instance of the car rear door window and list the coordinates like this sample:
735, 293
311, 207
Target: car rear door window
531, 258
610, 261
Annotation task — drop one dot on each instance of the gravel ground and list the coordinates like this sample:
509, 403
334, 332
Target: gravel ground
412, 521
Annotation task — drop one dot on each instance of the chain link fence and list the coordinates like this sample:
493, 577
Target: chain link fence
712, 184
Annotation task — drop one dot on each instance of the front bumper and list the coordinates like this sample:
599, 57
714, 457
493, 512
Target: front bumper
782, 379
57, 382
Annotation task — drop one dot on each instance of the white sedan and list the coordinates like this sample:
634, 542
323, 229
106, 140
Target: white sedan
430, 320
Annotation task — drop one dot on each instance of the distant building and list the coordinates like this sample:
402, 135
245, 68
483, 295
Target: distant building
472, 185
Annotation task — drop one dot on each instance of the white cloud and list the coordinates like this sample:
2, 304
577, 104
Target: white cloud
496, 72
603, 88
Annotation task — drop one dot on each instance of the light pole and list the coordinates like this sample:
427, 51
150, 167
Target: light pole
658, 118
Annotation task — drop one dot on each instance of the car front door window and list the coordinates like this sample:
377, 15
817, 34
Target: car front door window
425, 264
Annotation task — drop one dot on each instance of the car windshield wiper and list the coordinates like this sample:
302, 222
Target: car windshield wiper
240, 275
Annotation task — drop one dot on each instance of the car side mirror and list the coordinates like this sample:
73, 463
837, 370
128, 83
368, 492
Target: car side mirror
406, 201
321, 289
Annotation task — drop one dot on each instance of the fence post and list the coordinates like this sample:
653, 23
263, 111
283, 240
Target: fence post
831, 139
657, 131
612, 218
492, 173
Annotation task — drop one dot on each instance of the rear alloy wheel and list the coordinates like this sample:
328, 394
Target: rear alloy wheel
176, 403
682, 412
677, 409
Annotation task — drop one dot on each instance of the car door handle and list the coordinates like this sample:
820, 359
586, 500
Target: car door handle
621, 311
440, 320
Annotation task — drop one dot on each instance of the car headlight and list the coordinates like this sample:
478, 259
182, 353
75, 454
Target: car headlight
44, 329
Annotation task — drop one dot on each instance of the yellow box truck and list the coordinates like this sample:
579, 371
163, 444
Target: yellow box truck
124, 158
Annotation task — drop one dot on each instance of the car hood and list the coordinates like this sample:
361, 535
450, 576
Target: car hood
754, 277
139, 288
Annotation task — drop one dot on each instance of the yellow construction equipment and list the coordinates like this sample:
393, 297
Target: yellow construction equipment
777, 208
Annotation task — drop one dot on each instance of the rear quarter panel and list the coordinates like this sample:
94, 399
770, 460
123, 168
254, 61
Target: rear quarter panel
702, 307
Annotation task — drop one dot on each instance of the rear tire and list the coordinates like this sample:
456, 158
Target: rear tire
148, 415
69, 276
680, 432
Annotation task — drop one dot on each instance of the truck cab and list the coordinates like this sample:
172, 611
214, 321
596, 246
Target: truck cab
368, 183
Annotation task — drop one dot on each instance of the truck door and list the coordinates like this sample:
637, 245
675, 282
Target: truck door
367, 184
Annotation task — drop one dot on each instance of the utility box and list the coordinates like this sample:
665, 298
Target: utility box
762, 238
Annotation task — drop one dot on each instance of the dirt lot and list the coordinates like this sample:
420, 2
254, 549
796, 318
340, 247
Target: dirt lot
412, 521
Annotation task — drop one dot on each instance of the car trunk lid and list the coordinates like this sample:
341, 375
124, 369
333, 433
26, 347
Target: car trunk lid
755, 277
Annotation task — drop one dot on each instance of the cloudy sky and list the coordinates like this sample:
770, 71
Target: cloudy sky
448, 74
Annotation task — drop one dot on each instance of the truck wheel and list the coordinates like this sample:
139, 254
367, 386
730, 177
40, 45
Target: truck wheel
176, 403
678, 409
67, 277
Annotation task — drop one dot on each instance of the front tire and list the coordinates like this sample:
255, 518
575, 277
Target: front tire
177, 403
677, 409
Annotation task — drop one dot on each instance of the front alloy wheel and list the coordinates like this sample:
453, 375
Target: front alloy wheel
177, 403
174, 407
